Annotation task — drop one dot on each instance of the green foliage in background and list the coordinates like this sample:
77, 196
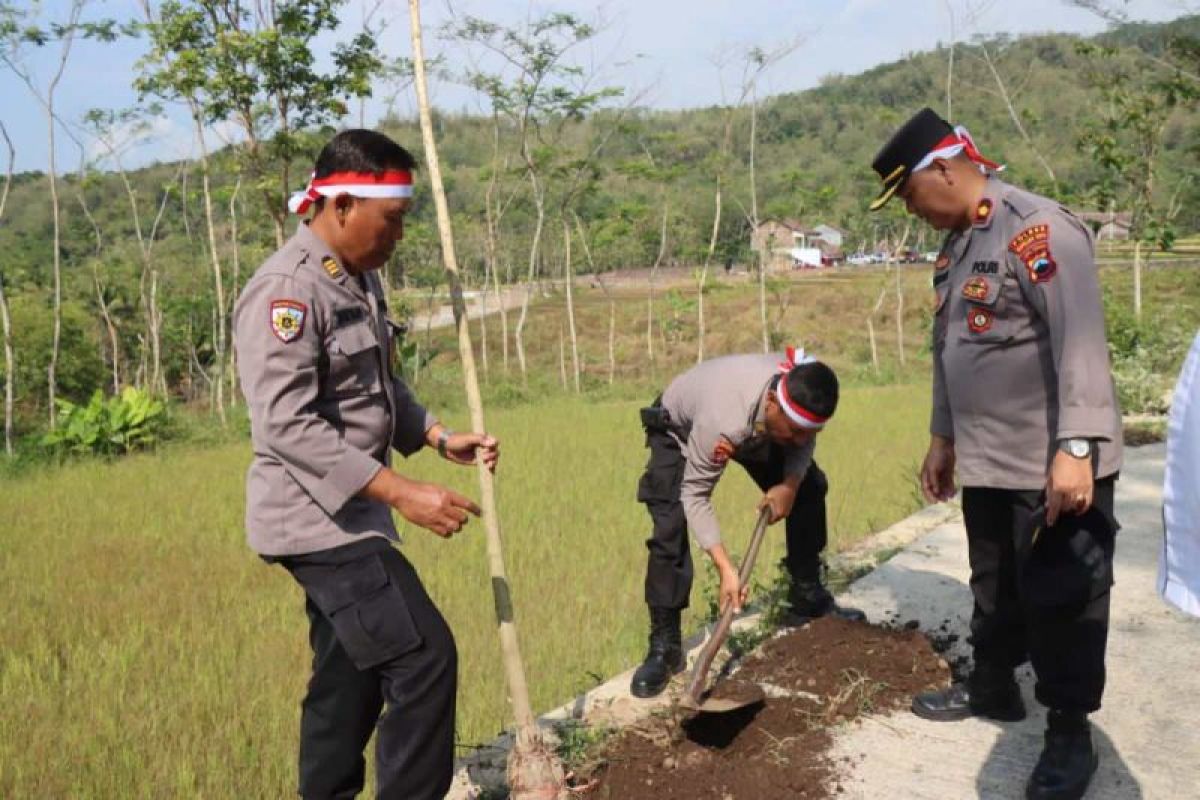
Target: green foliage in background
133, 420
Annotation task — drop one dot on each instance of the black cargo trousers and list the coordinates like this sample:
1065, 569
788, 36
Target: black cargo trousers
1057, 620
376, 638
669, 570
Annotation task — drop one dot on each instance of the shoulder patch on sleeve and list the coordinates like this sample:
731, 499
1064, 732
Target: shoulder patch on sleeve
287, 319
1032, 246
723, 450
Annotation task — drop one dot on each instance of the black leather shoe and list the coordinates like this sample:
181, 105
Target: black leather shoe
810, 601
665, 657
1065, 768
958, 702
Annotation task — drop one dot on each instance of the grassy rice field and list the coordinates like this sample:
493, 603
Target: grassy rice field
145, 652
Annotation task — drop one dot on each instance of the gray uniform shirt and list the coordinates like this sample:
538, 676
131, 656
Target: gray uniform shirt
723, 397
314, 356
1020, 356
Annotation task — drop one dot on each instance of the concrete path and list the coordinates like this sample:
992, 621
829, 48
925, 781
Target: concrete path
1148, 732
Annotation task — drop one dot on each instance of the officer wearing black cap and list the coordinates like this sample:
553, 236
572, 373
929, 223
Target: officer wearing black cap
1025, 411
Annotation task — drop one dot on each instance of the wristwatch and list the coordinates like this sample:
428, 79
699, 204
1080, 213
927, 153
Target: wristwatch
1076, 448
442, 438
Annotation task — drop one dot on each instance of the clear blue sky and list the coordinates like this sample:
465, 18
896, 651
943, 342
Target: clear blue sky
665, 49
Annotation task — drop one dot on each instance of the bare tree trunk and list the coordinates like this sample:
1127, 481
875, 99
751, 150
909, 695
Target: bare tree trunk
218, 281
502, 306
562, 357
1013, 115
110, 324
662, 250
900, 294
491, 241
237, 269
1137, 279
113, 341
871, 325
950, 67
762, 264
52, 369
534, 245
712, 246
183, 209
532, 764
483, 340
612, 305
569, 278
10, 361
612, 342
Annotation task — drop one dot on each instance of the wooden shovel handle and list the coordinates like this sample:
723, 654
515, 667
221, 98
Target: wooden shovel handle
721, 632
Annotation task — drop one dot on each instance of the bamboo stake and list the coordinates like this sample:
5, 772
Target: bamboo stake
533, 769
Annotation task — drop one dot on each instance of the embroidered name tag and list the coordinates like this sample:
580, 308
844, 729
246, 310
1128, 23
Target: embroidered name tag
348, 316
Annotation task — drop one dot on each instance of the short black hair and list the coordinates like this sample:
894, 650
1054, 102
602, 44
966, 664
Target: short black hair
362, 150
814, 387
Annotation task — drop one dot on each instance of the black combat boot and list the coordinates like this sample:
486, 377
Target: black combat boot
1068, 760
666, 654
990, 692
809, 600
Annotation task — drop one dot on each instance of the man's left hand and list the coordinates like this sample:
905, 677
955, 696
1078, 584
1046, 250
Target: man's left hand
464, 448
780, 498
1069, 487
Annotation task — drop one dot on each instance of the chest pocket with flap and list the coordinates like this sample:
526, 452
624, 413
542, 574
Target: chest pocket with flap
354, 360
980, 304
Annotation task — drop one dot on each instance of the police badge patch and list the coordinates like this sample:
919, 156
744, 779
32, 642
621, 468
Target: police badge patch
723, 451
976, 288
979, 320
287, 319
1032, 246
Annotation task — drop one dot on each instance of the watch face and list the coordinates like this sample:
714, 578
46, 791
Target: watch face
1080, 448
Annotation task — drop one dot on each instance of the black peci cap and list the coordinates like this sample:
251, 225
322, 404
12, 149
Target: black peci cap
896, 159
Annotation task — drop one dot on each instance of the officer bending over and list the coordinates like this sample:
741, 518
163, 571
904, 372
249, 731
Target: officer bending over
314, 347
765, 415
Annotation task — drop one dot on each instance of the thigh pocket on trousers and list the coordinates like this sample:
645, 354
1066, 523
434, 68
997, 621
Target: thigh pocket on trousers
367, 611
660, 483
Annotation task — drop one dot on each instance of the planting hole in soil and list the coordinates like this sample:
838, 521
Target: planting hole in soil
816, 678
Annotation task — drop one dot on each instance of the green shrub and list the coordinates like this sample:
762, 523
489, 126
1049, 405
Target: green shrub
130, 421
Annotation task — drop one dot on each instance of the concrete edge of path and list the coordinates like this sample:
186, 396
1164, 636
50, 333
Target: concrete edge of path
611, 704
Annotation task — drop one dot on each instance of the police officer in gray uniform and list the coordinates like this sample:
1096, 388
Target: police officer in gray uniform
314, 347
1024, 408
764, 412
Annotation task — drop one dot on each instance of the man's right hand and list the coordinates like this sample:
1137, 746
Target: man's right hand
731, 590
937, 473
435, 508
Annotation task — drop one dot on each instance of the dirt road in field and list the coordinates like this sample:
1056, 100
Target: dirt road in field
624, 282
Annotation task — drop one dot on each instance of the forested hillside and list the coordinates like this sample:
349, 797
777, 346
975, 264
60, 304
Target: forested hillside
634, 185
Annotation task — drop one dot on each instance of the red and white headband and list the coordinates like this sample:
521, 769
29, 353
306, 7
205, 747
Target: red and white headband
796, 412
393, 183
958, 142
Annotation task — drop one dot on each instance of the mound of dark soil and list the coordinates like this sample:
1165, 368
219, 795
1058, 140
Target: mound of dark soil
822, 675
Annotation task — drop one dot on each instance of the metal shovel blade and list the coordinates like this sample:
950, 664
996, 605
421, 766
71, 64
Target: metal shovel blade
751, 695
